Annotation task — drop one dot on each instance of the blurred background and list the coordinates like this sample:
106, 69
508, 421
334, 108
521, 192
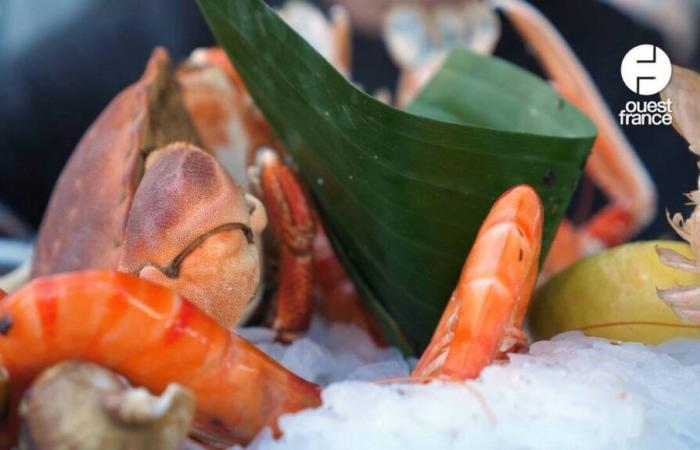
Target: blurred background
61, 62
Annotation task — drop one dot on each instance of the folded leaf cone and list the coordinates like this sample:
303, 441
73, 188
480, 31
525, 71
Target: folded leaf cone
402, 193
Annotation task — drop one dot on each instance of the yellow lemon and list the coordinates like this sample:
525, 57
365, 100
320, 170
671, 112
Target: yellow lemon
613, 295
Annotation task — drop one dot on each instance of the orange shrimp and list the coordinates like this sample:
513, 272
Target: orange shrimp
487, 309
153, 337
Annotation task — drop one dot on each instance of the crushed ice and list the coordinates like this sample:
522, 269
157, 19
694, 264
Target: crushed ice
332, 353
573, 392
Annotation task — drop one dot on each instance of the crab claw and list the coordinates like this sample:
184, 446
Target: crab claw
84, 222
192, 228
292, 223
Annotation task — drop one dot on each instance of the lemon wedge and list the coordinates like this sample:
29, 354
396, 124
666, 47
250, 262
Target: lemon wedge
613, 295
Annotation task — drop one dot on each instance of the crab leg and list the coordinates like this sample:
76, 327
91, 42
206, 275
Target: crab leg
153, 337
613, 165
306, 258
487, 308
292, 222
340, 301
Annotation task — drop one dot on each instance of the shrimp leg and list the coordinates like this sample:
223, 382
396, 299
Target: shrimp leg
487, 308
613, 164
153, 337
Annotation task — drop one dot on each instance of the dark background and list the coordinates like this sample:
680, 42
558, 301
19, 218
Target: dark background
52, 91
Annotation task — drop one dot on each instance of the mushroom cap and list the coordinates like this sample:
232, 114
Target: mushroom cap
81, 405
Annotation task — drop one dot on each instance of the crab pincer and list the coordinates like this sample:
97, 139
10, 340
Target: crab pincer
153, 337
141, 196
483, 318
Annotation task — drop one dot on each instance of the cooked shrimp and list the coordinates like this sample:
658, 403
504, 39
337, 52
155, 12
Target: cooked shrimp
484, 315
153, 337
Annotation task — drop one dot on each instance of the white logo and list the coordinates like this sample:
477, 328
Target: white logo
646, 69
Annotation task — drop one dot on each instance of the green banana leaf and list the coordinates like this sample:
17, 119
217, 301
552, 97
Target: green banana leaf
403, 193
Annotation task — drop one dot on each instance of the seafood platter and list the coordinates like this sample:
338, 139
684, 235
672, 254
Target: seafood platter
247, 250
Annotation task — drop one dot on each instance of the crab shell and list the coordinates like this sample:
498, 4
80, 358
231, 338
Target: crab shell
138, 195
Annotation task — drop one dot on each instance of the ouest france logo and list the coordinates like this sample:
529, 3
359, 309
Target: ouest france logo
646, 70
